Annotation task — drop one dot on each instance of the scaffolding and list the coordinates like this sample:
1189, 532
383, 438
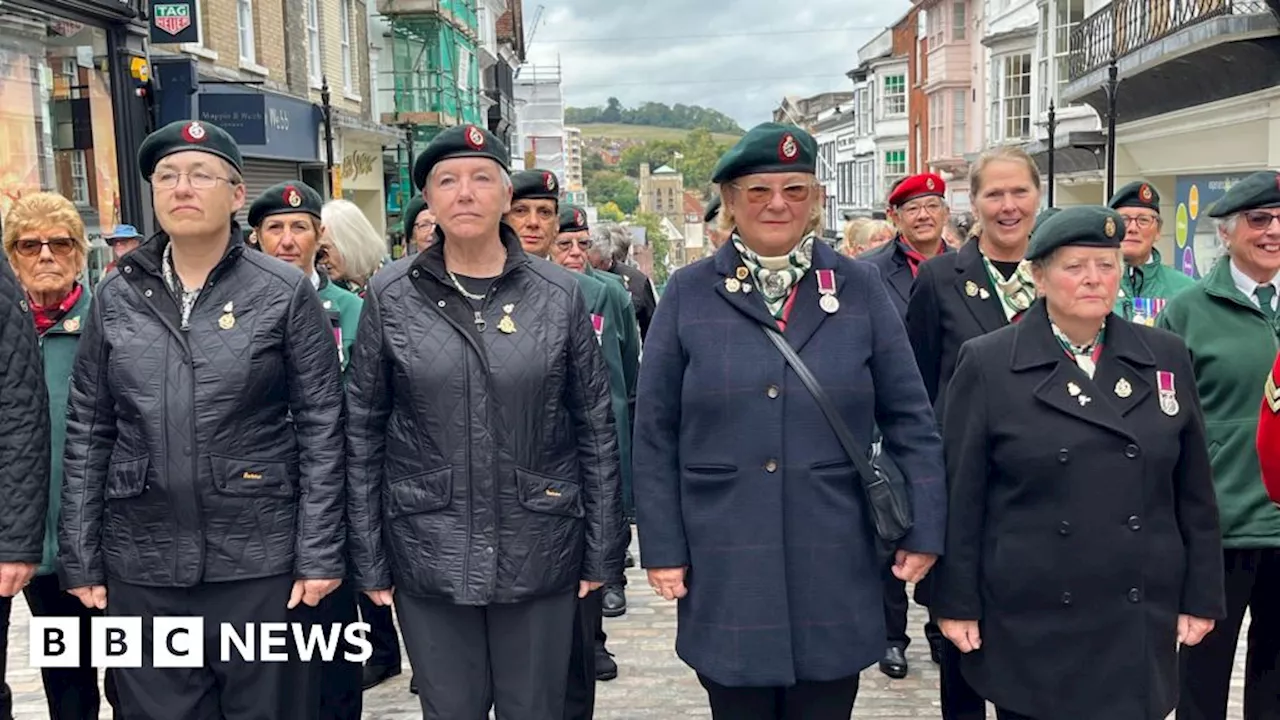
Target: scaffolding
541, 118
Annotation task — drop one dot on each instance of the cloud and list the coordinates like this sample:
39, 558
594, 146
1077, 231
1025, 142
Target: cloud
737, 56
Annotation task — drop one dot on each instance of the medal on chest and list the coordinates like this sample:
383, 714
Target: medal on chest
827, 291
597, 323
1168, 396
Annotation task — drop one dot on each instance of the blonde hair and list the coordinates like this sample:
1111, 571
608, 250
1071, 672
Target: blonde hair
851, 229
726, 223
870, 229
1001, 153
44, 211
353, 237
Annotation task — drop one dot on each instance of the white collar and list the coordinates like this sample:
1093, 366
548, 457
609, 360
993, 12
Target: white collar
315, 279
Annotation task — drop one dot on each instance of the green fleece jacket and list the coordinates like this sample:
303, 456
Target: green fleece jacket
1153, 280
1233, 346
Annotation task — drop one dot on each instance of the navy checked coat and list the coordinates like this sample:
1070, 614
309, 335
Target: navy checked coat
739, 477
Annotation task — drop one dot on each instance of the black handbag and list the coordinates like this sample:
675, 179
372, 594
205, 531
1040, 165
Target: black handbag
890, 514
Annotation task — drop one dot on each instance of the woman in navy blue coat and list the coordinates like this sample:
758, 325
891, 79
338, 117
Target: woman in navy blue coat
749, 510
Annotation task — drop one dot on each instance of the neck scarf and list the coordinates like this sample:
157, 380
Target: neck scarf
1017, 293
186, 297
776, 276
47, 317
1085, 356
914, 257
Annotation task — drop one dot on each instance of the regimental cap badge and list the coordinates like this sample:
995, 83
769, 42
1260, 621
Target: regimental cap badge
788, 150
1110, 227
292, 196
475, 138
577, 216
929, 183
550, 181
194, 132
1144, 193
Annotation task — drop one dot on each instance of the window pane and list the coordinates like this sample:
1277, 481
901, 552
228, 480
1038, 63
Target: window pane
959, 21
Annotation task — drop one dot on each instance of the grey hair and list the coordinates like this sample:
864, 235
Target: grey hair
621, 243
354, 238
602, 239
1226, 226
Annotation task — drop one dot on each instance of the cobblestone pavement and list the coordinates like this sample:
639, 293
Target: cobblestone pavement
652, 682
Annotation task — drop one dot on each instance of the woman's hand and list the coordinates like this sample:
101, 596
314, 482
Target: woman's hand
912, 567
1191, 630
668, 582
962, 633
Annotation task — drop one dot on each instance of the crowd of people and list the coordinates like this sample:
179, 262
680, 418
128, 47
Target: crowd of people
1068, 450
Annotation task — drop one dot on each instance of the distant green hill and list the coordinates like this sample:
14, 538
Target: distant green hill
644, 133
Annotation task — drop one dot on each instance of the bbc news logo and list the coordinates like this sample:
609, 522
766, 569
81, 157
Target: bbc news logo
179, 642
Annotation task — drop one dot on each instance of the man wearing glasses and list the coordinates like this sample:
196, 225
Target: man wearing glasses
1147, 283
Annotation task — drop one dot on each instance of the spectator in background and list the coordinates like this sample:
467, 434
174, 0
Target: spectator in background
121, 240
419, 224
716, 234
351, 250
872, 234
643, 297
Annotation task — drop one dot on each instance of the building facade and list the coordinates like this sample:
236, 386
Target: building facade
948, 91
662, 193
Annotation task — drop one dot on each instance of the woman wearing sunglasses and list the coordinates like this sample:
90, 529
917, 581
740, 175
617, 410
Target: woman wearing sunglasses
1229, 322
46, 244
751, 512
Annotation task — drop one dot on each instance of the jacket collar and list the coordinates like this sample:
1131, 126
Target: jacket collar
1219, 283
971, 274
149, 255
73, 322
432, 261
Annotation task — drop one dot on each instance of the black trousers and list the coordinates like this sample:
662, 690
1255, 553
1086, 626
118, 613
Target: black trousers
467, 659
1002, 714
959, 700
832, 700
234, 690
6, 695
895, 608
332, 690
1253, 583
382, 633
580, 695
72, 693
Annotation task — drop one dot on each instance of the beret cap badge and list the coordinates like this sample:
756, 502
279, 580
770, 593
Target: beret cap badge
1145, 193
577, 216
475, 138
787, 149
549, 180
929, 183
194, 132
1110, 227
292, 196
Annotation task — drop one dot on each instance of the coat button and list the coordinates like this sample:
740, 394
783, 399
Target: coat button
1063, 455
1066, 598
1064, 528
147, 292
771, 466
128, 268
1134, 595
1131, 451
415, 273
1134, 524
772, 392
441, 303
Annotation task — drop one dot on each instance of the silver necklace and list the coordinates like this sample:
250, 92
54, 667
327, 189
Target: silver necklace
468, 295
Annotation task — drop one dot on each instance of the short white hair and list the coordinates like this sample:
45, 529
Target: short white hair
354, 238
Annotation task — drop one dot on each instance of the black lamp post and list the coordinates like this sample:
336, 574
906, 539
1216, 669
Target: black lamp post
408, 164
1053, 147
328, 134
1112, 87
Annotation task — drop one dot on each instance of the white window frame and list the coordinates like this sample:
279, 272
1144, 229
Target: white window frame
937, 125
895, 101
1044, 55
1061, 42
959, 119
344, 24
244, 22
1010, 112
896, 170
315, 58
866, 182
79, 166
937, 28
959, 21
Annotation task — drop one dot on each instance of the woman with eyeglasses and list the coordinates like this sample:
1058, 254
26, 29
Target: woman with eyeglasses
1229, 321
45, 241
1147, 283
750, 511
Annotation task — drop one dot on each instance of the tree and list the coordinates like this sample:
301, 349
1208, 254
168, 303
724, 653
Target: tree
682, 117
606, 186
657, 240
610, 212
612, 111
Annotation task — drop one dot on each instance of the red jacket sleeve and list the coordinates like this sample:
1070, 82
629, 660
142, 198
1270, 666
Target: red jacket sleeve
1269, 434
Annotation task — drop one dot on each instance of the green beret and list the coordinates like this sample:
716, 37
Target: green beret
412, 210
1080, 226
459, 142
1137, 194
187, 135
769, 148
713, 209
535, 185
1044, 215
1259, 190
572, 219
287, 197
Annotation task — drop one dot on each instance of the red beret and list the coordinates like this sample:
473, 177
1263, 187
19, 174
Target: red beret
918, 186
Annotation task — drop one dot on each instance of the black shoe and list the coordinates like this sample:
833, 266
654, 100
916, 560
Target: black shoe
894, 663
413, 685
614, 601
935, 649
375, 675
606, 668
631, 560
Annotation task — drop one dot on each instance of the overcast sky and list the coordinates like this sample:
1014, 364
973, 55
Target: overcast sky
737, 56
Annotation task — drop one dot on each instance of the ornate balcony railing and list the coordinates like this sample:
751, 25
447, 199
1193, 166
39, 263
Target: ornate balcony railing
1124, 26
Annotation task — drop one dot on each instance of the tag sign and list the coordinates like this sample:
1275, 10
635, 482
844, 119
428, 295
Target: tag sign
175, 21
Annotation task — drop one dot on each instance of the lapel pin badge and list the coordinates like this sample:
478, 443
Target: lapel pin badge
72, 324
1123, 388
732, 285
1073, 388
228, 320
982, 293
971, 288
742, 272
1084, 400
507, 324
746, 287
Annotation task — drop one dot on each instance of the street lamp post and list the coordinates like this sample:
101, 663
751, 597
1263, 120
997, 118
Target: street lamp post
1112, 87
1053, 147
328, 134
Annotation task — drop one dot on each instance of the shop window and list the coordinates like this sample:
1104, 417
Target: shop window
244, 15
344, 9
315, 62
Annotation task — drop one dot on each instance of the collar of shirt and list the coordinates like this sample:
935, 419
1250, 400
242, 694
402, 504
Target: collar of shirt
315, 279
1248, 286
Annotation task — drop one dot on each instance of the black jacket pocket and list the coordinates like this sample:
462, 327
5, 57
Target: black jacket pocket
553, 496
253, 478
423, 492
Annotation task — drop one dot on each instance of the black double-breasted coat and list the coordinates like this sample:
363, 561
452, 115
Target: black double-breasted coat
1082, 520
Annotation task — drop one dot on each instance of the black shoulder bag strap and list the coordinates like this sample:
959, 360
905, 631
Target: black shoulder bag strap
891, 518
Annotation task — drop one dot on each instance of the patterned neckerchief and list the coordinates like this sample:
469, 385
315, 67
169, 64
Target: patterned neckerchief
187, 297
776, 276
1085, 356
1016, 293
47, 317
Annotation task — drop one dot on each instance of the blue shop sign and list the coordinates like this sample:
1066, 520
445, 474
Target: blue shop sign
266, 125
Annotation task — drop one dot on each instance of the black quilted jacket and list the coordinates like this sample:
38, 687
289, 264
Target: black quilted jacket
482, 464
210, 454
24, 428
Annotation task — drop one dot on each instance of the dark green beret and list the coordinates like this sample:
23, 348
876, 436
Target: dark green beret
1137, 194
187, 135
1259, 190
713, 209
287, 197
572, 219
412, 210
535, 185
458, 142
1044, 215
769, 148
1079, 226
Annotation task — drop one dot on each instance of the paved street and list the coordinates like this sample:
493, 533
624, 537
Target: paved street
652, 682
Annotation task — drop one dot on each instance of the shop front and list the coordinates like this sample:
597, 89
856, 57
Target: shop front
67, 111
359, 147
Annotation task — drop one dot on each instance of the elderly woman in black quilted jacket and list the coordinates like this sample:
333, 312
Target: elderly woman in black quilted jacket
483, 458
